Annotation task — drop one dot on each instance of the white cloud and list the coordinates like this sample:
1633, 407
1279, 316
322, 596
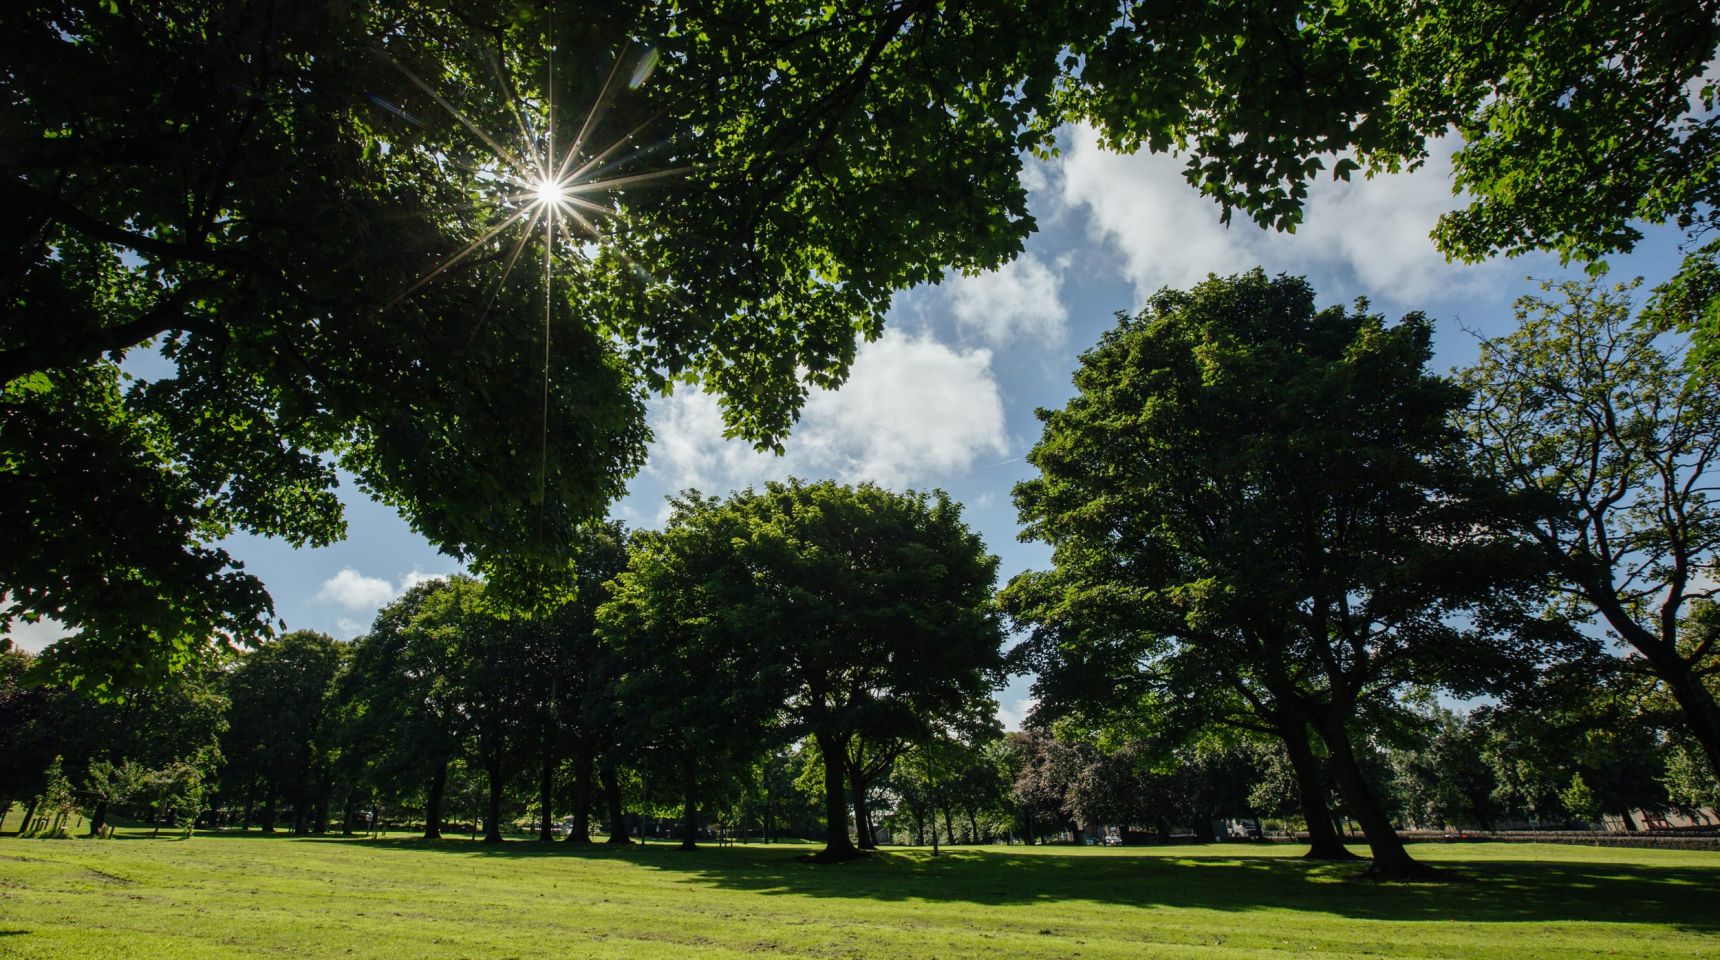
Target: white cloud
1168, 234
355, 591
913, 410
34, 636
417, 577
359, 596
1021, 299
1041, 176
1372, 234
1012, 713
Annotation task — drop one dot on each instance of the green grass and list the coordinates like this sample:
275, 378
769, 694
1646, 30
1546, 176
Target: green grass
254, 896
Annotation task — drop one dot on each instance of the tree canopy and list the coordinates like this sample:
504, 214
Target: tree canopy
1272, 500
266, 209
1577, 121
816, 610
1594, 413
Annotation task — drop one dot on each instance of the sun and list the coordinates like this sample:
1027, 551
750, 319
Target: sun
549, 192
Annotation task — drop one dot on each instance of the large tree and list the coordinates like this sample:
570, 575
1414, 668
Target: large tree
1283, 495
855, 616
408, 723
1095, 659
578, 677
282, 723
873, 611
691, 677
494, 683
1595, 414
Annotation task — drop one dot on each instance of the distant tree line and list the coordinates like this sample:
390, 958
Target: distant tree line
1563, 760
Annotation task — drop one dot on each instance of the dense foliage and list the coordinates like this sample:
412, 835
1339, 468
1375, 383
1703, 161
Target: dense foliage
1255, 496
853, 616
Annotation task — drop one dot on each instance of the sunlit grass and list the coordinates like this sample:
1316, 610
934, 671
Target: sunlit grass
244, 896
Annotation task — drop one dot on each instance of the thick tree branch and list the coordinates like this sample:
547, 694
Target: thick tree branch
18, 195
167, 314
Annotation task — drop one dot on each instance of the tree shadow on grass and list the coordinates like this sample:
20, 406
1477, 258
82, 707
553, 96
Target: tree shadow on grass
1488, 891
1493, 891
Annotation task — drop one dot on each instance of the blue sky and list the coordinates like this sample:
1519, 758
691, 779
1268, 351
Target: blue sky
946, 397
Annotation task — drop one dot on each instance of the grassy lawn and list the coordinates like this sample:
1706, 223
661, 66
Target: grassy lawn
250, 896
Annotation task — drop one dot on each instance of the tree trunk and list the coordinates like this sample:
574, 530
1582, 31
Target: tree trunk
949, 826
1391, 860
29, 815
973, 823
546, 793
690, 793
493, 818
837, 846
1696, 703
98, 819
581, 832
612, 798
546, 772
433, 802
919, 828
250, 797
1203, 829
1324, 843
349, 812
269, 811
769, 809
862, 824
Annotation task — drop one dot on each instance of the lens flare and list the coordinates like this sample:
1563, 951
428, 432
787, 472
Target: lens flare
549, 192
